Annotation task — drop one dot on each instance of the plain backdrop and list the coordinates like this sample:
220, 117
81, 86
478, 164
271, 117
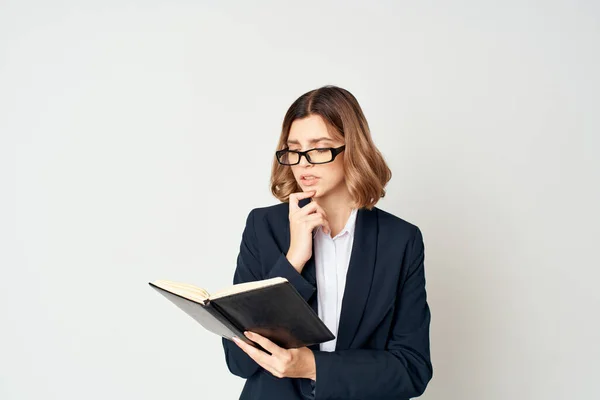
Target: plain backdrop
136, 136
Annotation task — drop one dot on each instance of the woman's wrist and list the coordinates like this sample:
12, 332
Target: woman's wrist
298, 265
312, 366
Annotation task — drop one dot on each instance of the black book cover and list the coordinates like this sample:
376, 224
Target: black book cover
277, 312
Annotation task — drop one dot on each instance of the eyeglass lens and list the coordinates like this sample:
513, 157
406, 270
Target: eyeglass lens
316, 156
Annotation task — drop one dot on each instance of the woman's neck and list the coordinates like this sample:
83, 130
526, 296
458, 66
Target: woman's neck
338, 210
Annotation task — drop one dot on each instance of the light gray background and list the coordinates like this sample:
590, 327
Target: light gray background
137, 135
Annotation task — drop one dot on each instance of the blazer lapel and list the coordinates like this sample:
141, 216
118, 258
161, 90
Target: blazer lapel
358, 278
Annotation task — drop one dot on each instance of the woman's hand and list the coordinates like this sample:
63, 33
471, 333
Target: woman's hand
282, 363
303, 220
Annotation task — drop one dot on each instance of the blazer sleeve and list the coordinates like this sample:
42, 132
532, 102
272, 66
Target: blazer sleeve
248, 269
403, 369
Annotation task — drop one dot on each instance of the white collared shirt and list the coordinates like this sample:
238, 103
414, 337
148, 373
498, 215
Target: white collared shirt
332, 257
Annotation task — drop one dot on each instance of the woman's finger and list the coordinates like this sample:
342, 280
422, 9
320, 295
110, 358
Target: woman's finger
315, 220
319, 207
257, 355
311, 208
265, 343
295, 198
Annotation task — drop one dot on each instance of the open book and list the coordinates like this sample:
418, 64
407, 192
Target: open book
272, 308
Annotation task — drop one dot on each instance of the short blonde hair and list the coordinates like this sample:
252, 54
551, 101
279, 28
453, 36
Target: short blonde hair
365, 169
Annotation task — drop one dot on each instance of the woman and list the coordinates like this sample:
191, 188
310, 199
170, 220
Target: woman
359, 267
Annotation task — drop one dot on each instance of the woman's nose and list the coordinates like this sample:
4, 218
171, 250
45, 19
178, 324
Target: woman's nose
305, 158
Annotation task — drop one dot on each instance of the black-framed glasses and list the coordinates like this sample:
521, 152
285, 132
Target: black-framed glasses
320, 155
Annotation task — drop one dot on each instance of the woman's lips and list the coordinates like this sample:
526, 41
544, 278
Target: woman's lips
309, 182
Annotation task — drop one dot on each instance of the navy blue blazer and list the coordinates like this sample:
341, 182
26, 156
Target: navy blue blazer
382, 349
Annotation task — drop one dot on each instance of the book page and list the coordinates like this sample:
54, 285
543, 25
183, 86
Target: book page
183, 289
247, 286
200, 295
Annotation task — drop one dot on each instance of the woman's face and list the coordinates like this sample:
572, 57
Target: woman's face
308, 133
